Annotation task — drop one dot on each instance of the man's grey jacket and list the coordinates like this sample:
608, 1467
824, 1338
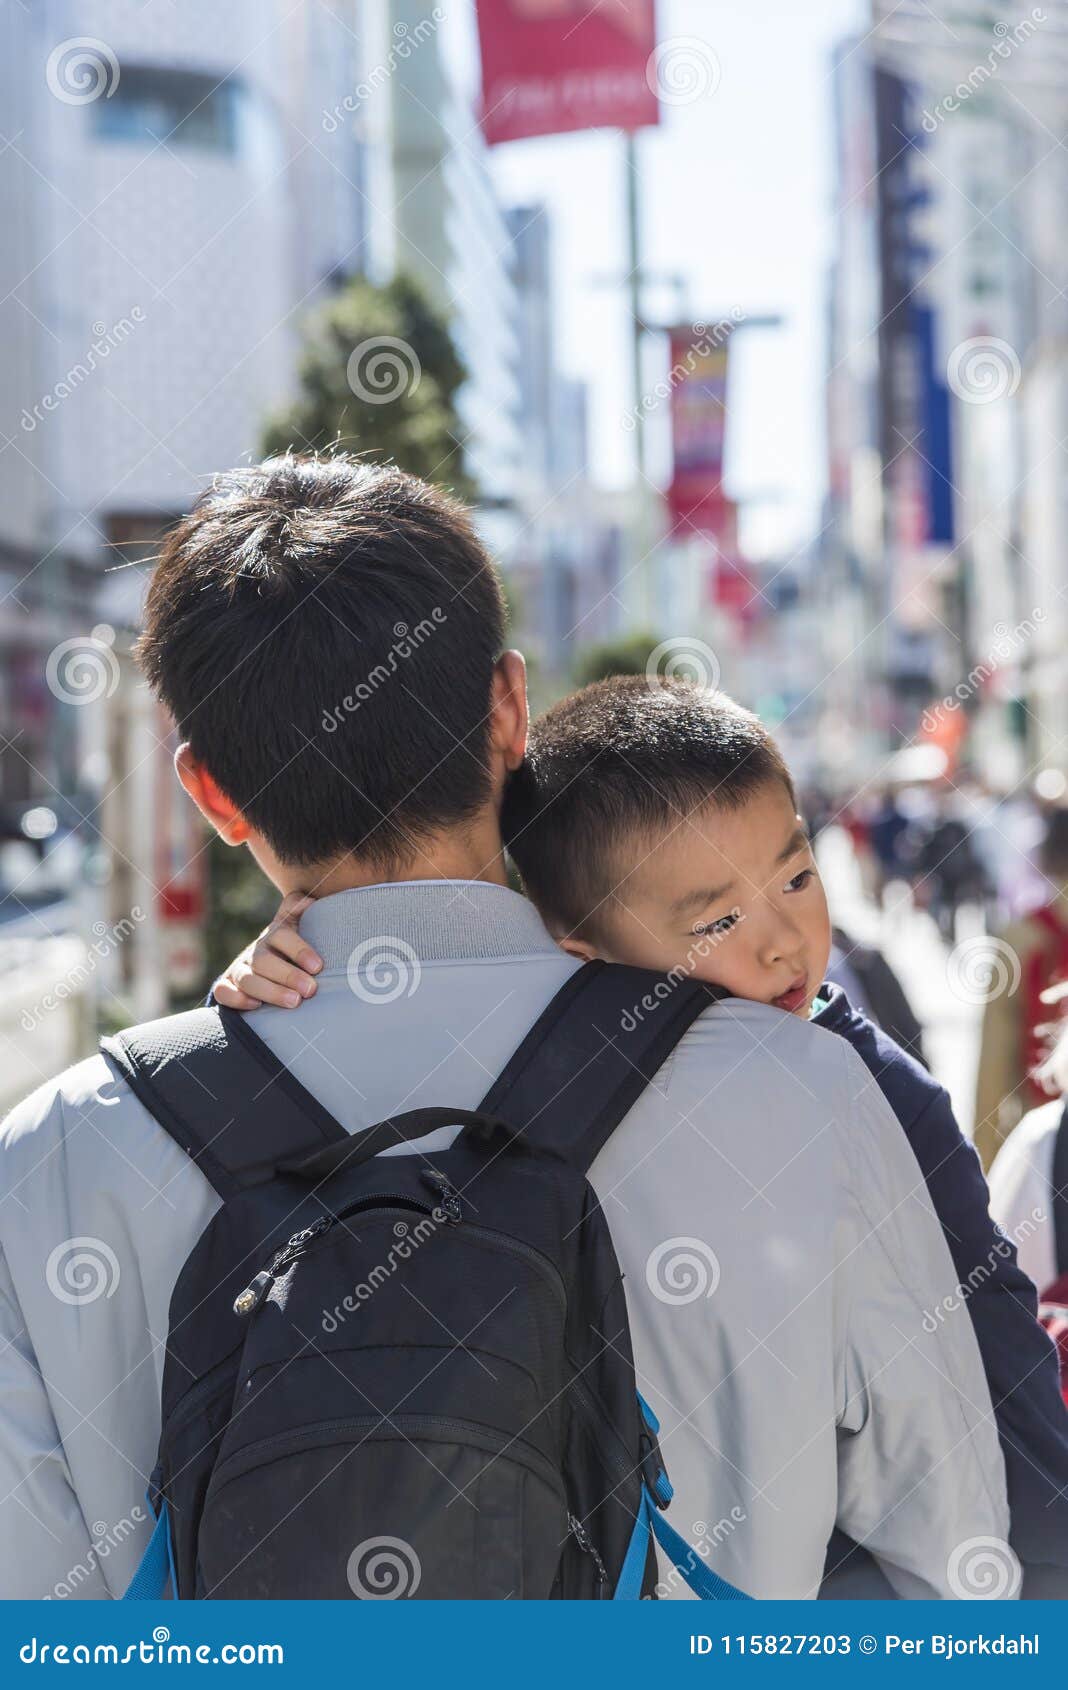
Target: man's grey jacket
785, 1273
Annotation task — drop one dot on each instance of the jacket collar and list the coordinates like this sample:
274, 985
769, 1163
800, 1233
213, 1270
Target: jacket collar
438, 920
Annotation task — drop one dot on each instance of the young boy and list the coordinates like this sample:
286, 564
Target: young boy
655, 823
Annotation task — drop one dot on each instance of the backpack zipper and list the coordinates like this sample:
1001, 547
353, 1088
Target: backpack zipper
586, 1544
449, 1201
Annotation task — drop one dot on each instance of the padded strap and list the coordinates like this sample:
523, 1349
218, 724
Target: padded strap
1059, 1194
590, 1055
223, 1096
149, 1581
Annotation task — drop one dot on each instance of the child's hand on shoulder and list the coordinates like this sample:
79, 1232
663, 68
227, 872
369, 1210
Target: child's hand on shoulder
277, 968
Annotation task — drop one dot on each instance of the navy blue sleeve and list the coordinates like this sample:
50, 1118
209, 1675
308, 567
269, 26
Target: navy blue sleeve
1019, 1358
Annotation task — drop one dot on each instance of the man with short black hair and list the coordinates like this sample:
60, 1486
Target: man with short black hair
328, 635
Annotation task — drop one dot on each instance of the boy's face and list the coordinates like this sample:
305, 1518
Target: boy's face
731, 897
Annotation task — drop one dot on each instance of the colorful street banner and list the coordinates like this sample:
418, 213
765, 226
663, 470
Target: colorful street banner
698, 428
550, 66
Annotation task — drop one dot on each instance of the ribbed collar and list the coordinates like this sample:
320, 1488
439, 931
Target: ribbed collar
440, 920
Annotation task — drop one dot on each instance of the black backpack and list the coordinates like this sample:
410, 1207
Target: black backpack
408, 1376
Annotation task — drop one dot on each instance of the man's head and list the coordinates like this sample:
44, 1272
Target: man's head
327, 634
655, 823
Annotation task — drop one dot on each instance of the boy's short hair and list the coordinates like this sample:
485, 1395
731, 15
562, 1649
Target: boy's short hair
616, 764
324, 632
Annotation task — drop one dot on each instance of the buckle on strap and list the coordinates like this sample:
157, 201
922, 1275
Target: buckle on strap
653, 1470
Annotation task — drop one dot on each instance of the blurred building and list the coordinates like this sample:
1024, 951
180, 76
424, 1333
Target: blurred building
170, 213
433, 211
946, 385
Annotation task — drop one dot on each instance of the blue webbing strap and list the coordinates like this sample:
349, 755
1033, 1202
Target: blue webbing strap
701, 1579
149, 1582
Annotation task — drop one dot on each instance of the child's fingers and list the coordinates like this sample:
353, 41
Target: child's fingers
230, 997
287, 942
245, 980
291, 908
264, 963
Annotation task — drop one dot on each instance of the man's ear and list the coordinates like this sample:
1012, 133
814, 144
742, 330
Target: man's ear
509, 711
209, 799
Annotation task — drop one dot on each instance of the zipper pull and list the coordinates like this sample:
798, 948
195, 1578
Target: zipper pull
448, 1196
585, 1543
253, 1295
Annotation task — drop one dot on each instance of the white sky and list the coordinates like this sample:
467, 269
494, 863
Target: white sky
736, 195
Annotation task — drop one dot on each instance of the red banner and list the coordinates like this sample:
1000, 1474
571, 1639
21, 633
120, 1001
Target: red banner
549, 66
698, 428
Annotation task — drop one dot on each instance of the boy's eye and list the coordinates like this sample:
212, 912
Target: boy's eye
800, 880
723, 924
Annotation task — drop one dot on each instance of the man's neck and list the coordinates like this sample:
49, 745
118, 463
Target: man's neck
475, 854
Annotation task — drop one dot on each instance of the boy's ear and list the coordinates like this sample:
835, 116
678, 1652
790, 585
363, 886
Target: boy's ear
578, 947
209, 798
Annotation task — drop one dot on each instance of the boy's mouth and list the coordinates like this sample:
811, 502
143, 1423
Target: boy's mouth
794, 996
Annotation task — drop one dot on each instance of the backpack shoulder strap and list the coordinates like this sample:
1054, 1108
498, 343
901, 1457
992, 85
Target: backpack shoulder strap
222, 1095
590, 1055
1059, 1194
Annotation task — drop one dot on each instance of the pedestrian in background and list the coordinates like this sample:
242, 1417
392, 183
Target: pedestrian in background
1010, 1077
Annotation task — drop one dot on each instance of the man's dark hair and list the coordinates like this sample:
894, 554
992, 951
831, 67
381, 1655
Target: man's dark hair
615, 765
324, 632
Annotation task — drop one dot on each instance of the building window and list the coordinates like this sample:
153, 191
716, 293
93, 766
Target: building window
178, 107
